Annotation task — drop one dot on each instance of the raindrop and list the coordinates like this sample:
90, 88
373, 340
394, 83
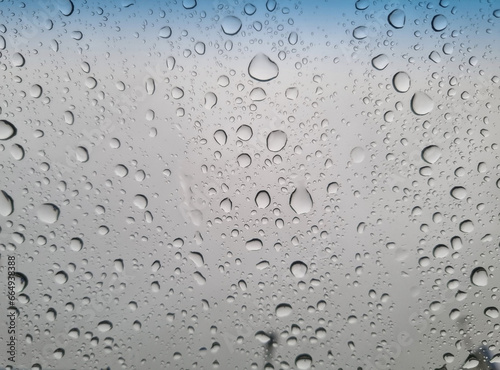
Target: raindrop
189, 4
301, 200
61, 277
231, 25
226, 205
292, 93
140, 201
276, 140
199, 47
82, 155
244, 160
6, 204
18, 60
303, 362
360, 32
7, 130
401, 82
66, 7
271, 5
380, 62
90, 82
435, 57
458, 192
440, 251
177, 93
250, 9
244, 132
357, 155
121, 170
262, 199
293, 38
17, 152
220, 137
421, 103
165, 32
439, 23
36, 91
261, 68
362, 4
283, 310
479, 277
69, 118
150, 86
21, 282
76, 244
48, 213
104, 326
258, 94
253, 245
298, 269
492, 312
397, 18
431, 154
466, 226
332, 188
210, 100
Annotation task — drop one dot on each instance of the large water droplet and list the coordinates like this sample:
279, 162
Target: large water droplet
401, 82
439, 22
220, 137
298, 269
189, 4
76, 244
262, 199
244, 132
493, 313
458, 192
283, 310
360, 32
357, 155
61, 277
6, 204
210, 100
48, 213
431, 154
261, 68
231, 25
18, 60
104, 326
7, 130
301, 200
253, 245
466, 226
421, 103
303, 362
276, 140
66, 7
397, 18
258, 94
165, 32
479, 277
380, 62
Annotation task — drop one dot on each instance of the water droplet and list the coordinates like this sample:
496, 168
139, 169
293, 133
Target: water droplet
82, 155
17, 152
48, 213
21, 282
362, 4
244, 160
301, 200
293, 38
431, 154
358, 155
199, 47
61, 277
276, 140
197, 259
231, 25
298, 269
303, 362
177, 93
7, 130
466, 226
226, 205
292, 93
66, 7
401, 82
244, 132
69, 118
104, 326
435, 57
360, 32
493, 313
250, 9
140, 201
165, 32
262, 337
121, 170
479, 277
271, 5
6, 204
458, 192
258, 94
36, 91
380, 62
421, 103
262, 199
397, 18
253, 245
76, 244
439, 22
18, 60
261, 68
150, 86
210, 100
332, 188
199, 278
90, 82
283, 310
220, 137
189, 4
440, 251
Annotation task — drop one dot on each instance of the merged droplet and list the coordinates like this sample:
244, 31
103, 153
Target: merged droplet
210, 100
262, 68
301, 200
421, 103
231, 25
